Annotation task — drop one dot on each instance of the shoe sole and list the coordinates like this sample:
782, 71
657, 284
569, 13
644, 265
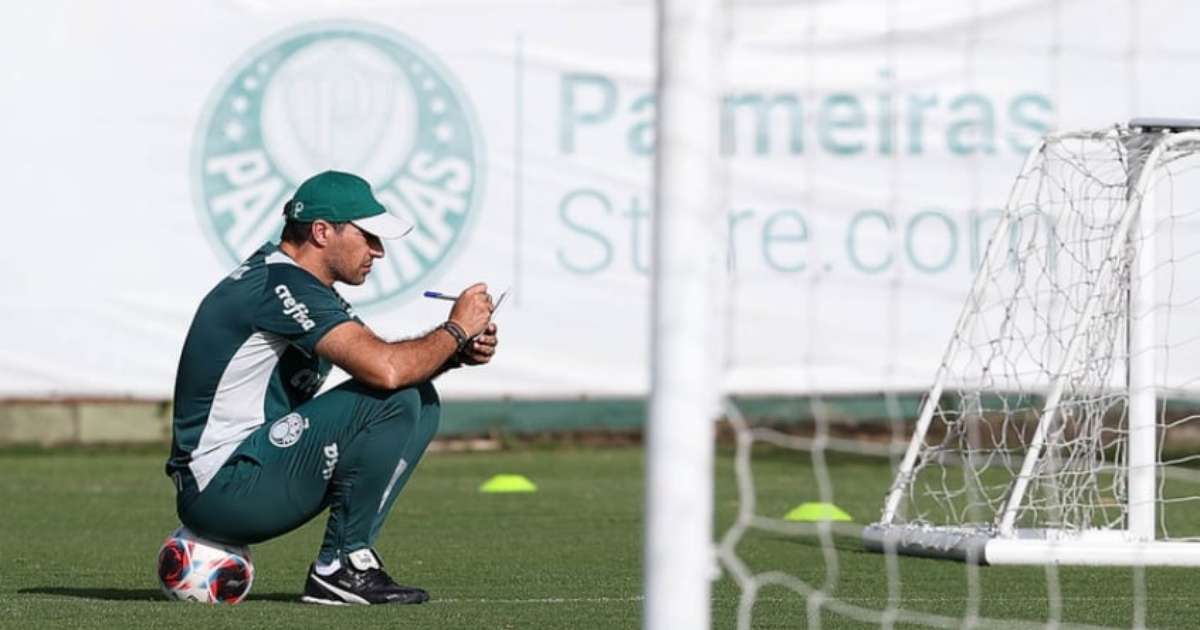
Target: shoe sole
309, 599
346, 598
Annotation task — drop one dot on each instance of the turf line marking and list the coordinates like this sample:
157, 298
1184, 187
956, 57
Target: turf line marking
542, 600
881, 600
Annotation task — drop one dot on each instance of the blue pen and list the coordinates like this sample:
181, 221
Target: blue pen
438, 295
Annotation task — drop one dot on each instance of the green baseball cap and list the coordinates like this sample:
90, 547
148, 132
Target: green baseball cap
340, 197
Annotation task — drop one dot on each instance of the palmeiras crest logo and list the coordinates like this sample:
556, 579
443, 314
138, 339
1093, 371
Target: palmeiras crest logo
350, 97
287, 430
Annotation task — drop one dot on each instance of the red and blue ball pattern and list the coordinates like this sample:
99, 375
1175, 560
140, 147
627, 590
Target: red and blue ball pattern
191, 568
229, 583
174, 562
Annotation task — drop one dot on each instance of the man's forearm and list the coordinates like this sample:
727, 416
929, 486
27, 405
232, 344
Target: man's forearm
422, 358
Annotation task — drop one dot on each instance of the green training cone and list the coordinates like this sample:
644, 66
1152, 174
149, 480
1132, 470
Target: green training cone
508, 483
817, 512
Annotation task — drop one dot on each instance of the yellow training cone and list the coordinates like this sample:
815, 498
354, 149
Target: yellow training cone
508, 483
810, 512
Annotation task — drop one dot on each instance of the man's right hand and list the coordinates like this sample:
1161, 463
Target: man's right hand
473, 309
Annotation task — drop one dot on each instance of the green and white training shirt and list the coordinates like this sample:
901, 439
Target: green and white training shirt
249, 357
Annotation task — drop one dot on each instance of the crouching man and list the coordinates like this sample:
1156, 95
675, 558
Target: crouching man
254, 453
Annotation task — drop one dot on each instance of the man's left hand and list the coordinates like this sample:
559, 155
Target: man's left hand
482, 347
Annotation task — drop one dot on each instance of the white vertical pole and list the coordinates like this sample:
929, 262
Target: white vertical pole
1143, 440
685, 399
1126, 229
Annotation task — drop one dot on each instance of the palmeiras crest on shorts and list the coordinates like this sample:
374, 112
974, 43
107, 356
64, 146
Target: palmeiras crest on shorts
345, 96
287, 430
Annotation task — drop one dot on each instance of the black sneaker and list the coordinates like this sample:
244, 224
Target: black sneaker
362, 580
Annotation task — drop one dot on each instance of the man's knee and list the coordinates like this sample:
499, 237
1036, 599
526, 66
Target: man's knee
421, 394
415, 402
420, 408
415, 406
428, 394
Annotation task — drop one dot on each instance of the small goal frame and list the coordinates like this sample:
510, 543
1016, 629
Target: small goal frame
1002, 542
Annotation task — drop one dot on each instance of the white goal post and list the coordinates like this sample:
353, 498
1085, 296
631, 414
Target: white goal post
1056, 428
688, 276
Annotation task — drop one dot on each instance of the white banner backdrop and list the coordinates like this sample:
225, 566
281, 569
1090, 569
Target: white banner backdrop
148, 146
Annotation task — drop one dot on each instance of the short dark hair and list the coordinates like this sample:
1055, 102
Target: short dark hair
297, 232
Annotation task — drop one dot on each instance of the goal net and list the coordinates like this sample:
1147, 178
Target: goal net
1059, 423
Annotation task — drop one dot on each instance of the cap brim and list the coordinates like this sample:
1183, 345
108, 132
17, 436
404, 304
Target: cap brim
385, 226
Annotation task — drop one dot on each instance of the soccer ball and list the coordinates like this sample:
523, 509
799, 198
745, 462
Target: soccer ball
191, 568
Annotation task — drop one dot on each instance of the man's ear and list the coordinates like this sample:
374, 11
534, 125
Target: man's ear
321, 232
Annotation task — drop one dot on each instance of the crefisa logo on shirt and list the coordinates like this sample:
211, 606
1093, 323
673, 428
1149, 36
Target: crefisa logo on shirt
345, 96
298, 311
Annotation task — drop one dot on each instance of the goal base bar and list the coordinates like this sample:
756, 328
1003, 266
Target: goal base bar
1030, 547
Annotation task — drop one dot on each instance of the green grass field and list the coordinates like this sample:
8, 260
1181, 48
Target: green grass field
80, 531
